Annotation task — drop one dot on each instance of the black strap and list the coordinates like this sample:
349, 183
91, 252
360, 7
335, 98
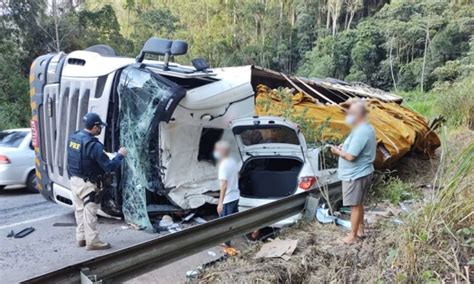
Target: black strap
94, 196
89, 198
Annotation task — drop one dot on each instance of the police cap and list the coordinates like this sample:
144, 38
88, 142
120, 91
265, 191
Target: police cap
91, 119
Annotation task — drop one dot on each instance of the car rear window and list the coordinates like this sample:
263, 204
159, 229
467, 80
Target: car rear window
12, 138
265, 135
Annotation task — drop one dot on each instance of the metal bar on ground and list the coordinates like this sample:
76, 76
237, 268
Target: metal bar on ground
136, 260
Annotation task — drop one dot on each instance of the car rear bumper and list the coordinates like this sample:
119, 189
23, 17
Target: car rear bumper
249, 203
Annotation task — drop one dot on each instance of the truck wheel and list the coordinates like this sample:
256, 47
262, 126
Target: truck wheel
31, 183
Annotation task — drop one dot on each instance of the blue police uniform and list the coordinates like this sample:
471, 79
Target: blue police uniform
86, 157
87, 161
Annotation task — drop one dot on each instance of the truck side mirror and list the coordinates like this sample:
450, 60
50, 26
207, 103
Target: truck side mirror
179, 47
166, 47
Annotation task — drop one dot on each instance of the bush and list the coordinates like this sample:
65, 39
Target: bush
395, 191
455, 102
423, 103
434, 236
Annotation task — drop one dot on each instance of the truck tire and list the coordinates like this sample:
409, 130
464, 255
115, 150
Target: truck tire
31, 183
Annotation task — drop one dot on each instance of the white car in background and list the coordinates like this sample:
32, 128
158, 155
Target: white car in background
17, 159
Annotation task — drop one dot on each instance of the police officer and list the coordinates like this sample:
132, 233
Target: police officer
87, 162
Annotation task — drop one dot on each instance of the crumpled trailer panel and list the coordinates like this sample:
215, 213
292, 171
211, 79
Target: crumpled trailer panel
398, 129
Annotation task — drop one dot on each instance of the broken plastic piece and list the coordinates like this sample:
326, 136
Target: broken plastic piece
344, 223
323, 216
200, 220
166, 221
231, 251
25, 232
188, 218
211, 253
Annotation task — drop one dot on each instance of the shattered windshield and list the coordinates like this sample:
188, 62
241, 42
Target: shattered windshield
264, 135
141, 93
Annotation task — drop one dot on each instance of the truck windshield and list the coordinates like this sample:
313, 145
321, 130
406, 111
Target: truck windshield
12, 139
146, 99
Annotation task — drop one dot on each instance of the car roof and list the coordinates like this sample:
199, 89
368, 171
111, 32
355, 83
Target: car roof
18, 129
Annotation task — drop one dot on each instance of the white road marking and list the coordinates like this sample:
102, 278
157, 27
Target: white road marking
31, 221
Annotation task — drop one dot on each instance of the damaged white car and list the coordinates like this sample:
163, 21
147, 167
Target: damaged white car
276, 163
169, 116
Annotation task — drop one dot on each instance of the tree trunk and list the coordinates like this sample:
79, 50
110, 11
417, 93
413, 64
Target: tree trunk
328, 15
424, 58
391, 64
345, 20
56, 25
350, 20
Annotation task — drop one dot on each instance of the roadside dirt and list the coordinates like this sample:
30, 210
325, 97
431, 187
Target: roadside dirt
319, 257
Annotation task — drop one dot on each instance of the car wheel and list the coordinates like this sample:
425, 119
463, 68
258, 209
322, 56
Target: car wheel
31, 183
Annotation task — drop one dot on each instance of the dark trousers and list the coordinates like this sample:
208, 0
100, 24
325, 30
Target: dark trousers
229, 208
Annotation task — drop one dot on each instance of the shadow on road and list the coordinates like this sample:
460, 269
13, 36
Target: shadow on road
15, 191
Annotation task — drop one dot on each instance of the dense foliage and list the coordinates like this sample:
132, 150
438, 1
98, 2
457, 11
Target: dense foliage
403, 45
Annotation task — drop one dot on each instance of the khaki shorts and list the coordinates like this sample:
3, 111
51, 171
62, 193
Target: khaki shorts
354, 191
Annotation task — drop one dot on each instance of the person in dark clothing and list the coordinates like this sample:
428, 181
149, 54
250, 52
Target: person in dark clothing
87, 162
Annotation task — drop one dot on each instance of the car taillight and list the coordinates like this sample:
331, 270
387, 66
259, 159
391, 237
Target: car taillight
4, 160
307, 182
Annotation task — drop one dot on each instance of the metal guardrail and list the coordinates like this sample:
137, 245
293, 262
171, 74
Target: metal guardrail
136, 260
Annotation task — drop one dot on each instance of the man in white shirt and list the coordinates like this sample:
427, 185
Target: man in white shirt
228, 175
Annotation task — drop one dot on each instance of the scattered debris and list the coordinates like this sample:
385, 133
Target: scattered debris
200, 220
134, 226
211, 253
406, 205
166, 221
345, 210
323, 216
188, 218
230, 251
124, 227
277, 248
344, 223
386, 210
192, 273
23, 233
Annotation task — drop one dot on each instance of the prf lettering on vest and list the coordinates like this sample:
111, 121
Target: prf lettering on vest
74, 145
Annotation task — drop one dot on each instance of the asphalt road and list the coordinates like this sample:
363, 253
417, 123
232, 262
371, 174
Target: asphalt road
50, 247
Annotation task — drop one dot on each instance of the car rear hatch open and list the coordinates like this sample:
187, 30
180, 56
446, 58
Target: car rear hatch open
268, 136
272, 151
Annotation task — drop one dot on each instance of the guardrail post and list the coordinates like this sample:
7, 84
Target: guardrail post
86, 278
310, 207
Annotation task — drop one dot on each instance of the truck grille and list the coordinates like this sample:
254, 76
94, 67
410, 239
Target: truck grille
61, 115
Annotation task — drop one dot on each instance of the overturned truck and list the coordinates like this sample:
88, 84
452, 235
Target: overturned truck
168, 115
